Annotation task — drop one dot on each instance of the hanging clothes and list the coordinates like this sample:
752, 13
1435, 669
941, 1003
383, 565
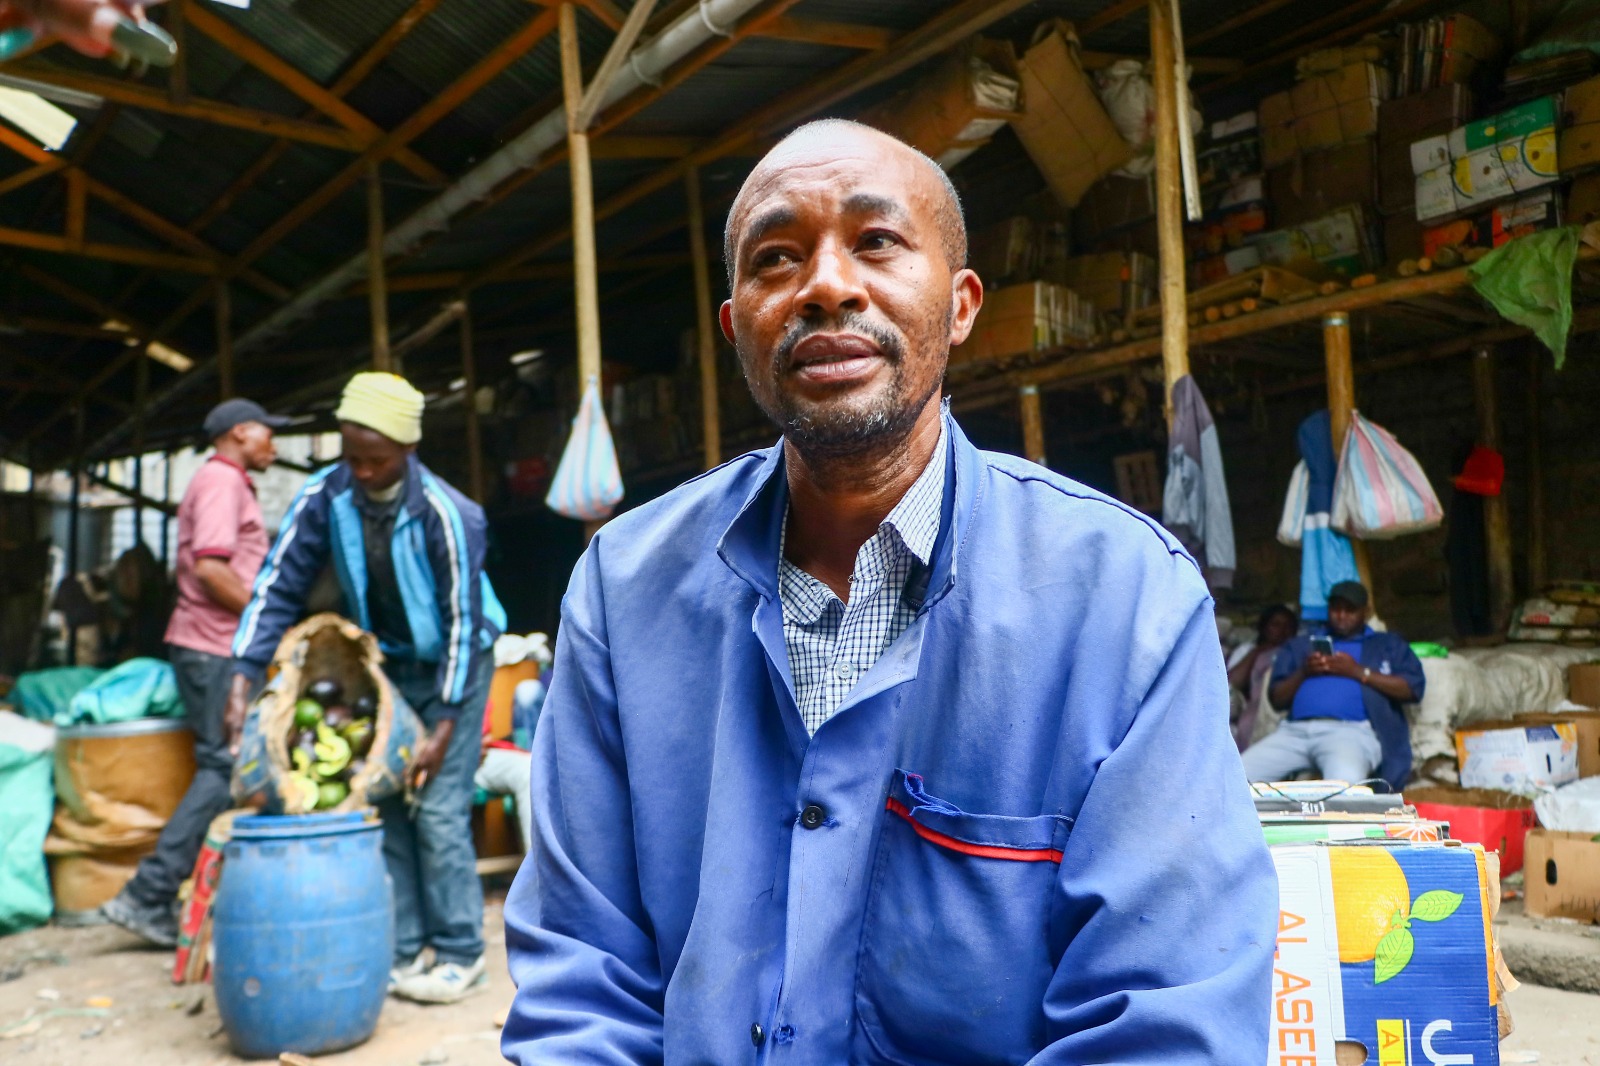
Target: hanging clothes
1194, 505
1326, 557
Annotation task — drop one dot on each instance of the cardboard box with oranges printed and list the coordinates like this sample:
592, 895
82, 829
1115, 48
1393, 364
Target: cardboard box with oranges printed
1384, 956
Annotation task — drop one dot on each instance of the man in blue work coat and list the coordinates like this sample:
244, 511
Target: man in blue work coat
873, 747
1345, 689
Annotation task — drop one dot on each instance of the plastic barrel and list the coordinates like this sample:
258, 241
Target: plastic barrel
303, 933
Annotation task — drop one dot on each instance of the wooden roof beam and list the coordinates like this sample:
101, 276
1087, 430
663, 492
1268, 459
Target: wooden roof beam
212, 111
292, 78
32, 174
352, 77
453, 279
836, 34
945, 30
1244, 18
1403, 9
485, 70
110, 253
644, 147
158, 226
1112, 14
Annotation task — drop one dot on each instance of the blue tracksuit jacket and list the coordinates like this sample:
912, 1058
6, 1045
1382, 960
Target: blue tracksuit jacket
1025, 835
1382, 653
438, 548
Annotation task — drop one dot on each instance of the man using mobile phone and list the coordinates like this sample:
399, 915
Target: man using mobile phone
1344, 689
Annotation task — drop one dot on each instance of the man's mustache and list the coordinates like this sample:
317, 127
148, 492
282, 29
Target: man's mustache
849, 322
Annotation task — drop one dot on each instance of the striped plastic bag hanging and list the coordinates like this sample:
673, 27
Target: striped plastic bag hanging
1380, 490
588, 483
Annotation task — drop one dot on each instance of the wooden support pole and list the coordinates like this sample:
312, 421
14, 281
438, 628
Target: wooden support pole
1032, 423
224, 305
1341, 405
166, 512
1538, 567
72, 521
469, 378
1496, 515
1169, 201
710, 403
77, 204
584, 269
377, 291
141, 395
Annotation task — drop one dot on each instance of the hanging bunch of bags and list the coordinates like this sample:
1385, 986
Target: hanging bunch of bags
1380, 491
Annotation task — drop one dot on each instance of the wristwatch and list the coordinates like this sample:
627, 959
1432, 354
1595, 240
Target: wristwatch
1366, 674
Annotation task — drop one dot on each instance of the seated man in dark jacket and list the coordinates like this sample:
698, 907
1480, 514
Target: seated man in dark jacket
1344, 690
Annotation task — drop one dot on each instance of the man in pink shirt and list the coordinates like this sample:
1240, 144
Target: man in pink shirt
221, 543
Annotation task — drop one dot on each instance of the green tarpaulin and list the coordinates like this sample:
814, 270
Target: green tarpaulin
1529, 281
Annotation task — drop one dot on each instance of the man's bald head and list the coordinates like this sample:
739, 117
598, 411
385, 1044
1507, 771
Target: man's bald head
815, 138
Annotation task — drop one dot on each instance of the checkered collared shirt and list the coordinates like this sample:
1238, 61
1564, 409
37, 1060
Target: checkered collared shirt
832, 644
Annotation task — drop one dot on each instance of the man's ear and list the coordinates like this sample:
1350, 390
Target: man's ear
725, 316
966, 297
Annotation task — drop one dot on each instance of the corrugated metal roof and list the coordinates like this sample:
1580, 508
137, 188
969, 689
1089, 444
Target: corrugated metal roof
177, 166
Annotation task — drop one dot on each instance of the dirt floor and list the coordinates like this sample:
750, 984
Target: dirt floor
151, 1022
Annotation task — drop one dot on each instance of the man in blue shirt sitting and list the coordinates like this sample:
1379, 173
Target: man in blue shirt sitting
1345, 689
872, 747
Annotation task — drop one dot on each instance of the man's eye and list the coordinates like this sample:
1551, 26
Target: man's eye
770, 258
875, 242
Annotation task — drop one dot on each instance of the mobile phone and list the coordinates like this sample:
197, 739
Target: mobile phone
1322, 645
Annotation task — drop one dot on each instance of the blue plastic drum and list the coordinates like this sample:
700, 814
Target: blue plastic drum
303, 931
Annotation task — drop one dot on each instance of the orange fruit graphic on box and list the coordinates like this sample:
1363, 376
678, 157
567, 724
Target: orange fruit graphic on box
1373, 909
1369, 891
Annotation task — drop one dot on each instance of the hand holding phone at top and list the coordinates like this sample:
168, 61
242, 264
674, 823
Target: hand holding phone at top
93, 27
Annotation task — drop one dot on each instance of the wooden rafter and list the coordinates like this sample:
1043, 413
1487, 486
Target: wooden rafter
645, 147
445, 280
949, 27
110, 253
1111, 15
485, 70
292, 78
80, 183
837, 34
212, 111
1347, 31
31, 175
1244, 18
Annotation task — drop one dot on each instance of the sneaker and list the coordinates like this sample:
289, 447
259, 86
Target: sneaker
155, 924
446, 982
415, 968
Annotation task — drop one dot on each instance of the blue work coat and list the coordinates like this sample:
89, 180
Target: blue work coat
1382, 653
1024, 836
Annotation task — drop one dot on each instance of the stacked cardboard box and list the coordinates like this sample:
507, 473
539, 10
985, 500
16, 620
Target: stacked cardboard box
1485, 161
1114, 282
1385, 948
1323, 111
1019, 320
958, 106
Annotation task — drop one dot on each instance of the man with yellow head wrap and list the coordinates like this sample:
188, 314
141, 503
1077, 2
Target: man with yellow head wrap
408, 551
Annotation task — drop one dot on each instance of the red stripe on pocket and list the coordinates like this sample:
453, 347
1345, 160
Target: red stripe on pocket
982, 851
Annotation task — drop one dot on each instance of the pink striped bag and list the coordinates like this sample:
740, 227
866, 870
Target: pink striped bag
1380, 490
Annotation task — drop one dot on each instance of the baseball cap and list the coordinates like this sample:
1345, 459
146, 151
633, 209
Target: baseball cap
230, 413
1352, 592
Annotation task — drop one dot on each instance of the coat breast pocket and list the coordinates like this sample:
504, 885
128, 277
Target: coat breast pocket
955, 954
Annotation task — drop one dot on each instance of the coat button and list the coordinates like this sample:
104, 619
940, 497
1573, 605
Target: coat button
813, 816
758, 1035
